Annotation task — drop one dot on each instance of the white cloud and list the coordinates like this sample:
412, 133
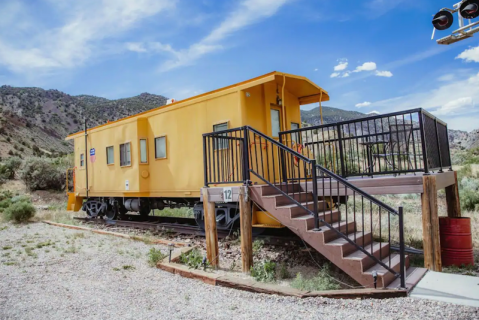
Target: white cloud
81, 35
246, 13
135, 46
363, 104
447, 77
386, 74
342, 65
345, 74
449, 100
367, 66
334, 75
459, 105
470, 55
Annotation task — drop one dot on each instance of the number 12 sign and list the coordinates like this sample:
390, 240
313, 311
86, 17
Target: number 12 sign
227, 194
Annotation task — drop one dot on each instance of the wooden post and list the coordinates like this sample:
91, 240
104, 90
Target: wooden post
452, 199
211, 235
246, 227
430, 224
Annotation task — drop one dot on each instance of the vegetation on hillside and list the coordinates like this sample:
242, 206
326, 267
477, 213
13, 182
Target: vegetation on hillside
330, 115
34, 121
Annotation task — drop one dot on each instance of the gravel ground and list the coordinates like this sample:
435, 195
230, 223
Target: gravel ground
48, 272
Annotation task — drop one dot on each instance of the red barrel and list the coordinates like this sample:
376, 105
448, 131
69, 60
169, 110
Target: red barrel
456, 241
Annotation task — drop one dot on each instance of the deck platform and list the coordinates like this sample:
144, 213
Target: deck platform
377, 185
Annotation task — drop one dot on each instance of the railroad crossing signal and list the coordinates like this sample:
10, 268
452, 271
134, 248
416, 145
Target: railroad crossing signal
466, 10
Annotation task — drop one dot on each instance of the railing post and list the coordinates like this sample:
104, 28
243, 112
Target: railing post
341, 153
448, 149
315, 195
282, 164
402, 258
246, 173
423, 142
438, 146
205, 162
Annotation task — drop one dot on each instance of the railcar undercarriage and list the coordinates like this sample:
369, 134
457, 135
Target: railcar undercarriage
110, 208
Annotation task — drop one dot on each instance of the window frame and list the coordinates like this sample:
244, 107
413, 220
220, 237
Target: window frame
130, 163
146, 149
166, 147
113, 163
279, 120
219, 146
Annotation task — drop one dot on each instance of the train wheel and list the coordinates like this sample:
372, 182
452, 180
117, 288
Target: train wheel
109, 214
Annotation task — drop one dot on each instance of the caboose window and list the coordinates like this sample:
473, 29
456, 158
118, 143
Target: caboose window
110, 156
160, 147
143, 151
82, 160
219, 143
275, 123
125, 154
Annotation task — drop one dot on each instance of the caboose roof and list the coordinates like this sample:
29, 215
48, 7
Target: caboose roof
307, 92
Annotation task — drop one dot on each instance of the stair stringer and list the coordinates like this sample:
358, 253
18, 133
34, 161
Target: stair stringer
357, 269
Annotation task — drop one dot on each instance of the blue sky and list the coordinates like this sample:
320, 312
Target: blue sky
369, 55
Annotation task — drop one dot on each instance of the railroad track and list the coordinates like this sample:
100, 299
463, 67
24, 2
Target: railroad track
181, 226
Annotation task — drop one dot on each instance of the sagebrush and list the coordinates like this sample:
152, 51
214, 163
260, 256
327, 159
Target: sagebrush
20, 211
264, 271
322, 281
43, 174
155, 256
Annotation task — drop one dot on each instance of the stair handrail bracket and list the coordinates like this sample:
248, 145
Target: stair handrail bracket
231, 156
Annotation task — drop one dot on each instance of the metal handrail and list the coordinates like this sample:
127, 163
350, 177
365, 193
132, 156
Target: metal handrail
283, 149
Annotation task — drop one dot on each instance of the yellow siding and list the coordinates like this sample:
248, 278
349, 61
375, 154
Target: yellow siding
180, 174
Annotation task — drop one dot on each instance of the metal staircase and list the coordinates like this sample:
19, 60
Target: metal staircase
351, 228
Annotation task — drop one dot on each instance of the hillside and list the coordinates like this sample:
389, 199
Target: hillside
330, 115
34, 119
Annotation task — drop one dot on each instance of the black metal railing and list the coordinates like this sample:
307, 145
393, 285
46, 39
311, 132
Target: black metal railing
237, 155
395, 143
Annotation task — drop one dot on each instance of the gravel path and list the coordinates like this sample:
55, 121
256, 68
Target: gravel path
48, 272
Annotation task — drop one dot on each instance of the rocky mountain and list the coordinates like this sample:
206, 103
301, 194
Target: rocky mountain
34, 120
463, 140
330, 115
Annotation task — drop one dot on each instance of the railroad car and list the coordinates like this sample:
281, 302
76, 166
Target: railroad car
154, 159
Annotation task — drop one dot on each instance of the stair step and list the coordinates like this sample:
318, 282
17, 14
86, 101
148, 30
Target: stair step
379, 250
413, 276
330, 217
330, 234
299, 196
267, 190
359, 255
381, 270
357, 237
299, 211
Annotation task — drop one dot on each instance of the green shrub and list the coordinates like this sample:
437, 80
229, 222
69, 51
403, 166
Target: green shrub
10, 167
257, 246
155, 256
264, 271
21, 211
469, 199
4, 204
193, 259
6, 194
43, 174
323, 281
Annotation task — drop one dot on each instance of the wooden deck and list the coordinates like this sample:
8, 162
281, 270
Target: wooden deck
377, 185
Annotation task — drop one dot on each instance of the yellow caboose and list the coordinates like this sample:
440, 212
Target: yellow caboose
155, 158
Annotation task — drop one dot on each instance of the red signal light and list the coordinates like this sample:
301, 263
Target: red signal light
469, 9
442, 20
